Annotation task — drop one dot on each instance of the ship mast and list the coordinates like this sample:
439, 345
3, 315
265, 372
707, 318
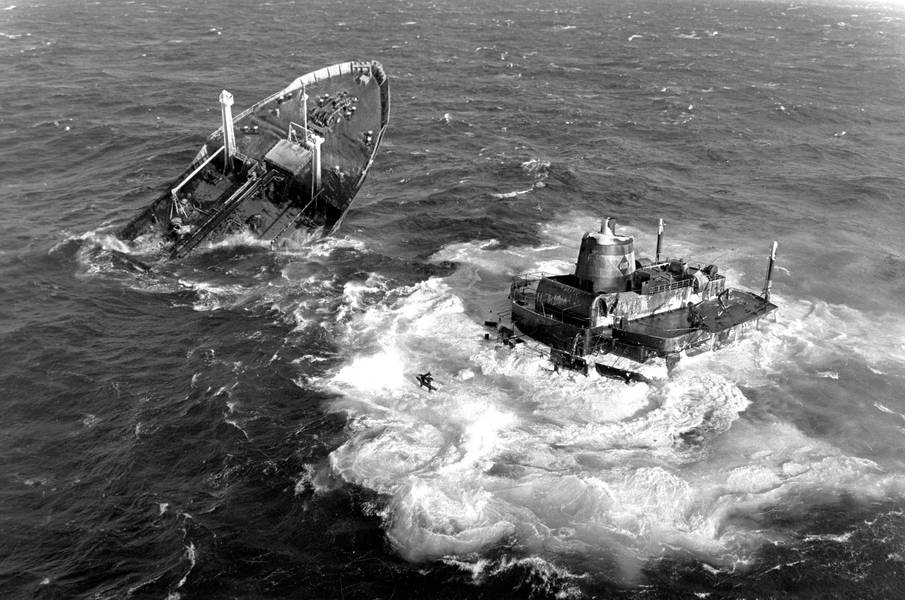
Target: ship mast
313, 143
229, 135
659, 241
768, 281
304, 100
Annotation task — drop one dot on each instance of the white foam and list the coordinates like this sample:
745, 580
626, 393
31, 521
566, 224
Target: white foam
191, 555
887, 410
311, 244
306, 479
513, 194
231, 418
512, 450
509, 452
817, 333
839, 539
357, 295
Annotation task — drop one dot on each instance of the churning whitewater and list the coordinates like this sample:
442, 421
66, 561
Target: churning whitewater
564, 467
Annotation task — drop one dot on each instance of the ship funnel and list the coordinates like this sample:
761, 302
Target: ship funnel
605, 260
229, 135
608, 225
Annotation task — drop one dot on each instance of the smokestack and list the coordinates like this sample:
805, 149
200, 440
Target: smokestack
605, 260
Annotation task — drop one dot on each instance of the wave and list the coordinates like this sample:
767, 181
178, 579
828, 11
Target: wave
510, 455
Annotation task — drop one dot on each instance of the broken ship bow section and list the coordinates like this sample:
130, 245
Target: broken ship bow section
615, 305
293, 160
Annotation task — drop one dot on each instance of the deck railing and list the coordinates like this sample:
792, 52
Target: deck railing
648, 290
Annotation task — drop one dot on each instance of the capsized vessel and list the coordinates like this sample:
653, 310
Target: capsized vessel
293, 160
616, 312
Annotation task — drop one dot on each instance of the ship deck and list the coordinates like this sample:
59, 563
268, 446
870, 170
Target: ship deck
716, 315
712, 321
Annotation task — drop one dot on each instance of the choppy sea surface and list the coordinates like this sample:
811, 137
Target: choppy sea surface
245, 422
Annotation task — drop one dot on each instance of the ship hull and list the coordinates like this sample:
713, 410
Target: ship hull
616, 311
621, 349
298, 159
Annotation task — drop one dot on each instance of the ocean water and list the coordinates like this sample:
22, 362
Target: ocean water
246, 423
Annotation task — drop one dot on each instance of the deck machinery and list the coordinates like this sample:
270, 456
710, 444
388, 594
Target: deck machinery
617, 311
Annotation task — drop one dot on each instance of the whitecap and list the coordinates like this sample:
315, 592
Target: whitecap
560, 463
514, 194
191, 555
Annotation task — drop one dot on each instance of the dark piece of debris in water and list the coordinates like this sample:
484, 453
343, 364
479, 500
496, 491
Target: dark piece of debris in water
426, 380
